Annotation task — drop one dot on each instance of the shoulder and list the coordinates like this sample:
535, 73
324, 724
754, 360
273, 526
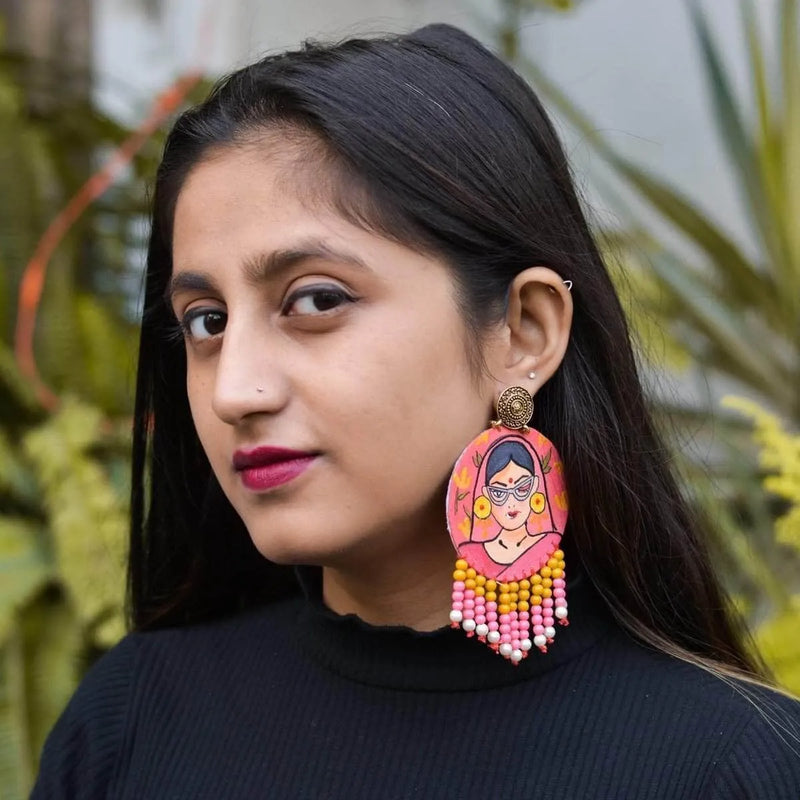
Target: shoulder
144, 676
744, 738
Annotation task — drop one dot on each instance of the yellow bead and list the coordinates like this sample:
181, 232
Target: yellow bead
558, 573
504, 587
514, 597
471, 573
524, 594
513, 586
523, 605
545, 572
536, 579
503, 609
538, 591
459, 575
536, 601
562, 564
491, 597
525, 584
547, 592
505, 598
479, 590
546, 582
491, 585
552, 563
559, 554
512, 606
461, 564
469, 583
480, 580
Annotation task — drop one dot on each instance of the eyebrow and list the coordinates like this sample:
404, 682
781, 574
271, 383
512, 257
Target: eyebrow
264, 266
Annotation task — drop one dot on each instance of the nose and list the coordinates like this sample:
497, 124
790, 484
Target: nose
248, 379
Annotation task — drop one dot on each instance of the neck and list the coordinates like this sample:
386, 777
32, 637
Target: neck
409, 586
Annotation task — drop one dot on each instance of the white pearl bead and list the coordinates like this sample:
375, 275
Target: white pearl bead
540, 641
482, 629
456, 616
516, 655
505, 649
561, 612
549, 632
468, 625
493, 637
525, 644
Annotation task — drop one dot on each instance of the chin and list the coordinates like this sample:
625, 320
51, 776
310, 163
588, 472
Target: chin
296, 546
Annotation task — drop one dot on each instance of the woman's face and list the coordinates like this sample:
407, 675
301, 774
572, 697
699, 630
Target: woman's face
509, 491
327, 369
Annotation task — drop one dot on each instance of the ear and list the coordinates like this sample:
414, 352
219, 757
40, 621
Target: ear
535, 487
536, 331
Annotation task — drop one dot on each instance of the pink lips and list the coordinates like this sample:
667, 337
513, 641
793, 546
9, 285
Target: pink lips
266, 467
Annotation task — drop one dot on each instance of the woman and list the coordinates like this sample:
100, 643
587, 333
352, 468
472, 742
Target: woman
509, 492
355, 250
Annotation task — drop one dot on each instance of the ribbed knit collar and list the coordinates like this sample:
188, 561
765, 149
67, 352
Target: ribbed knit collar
401, 658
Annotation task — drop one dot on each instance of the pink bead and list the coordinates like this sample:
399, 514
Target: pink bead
561, 603
547, 602
457, 605
537, 619
491, 616
469, 603
459, 586
469, 613
515, 644
505, 628
480, 603
505, 618
559, 593
458, 595
558, 583
480, 619
493, 626
538, 630
470, 593
524, 615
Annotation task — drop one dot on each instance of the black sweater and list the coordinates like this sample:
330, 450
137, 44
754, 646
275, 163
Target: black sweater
294, 701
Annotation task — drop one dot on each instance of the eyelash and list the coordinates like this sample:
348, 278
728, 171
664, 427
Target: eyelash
184, 327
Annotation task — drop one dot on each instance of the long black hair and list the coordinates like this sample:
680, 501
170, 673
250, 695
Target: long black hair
431, 140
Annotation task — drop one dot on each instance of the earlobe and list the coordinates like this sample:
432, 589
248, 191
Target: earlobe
538, 323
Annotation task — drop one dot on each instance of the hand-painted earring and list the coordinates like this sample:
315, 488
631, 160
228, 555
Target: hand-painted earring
506, 512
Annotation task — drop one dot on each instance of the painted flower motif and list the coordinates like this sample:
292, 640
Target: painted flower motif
461, 479
537, 502
482, 507
561, 501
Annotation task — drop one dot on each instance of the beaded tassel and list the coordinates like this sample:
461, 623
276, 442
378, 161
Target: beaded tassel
504, 615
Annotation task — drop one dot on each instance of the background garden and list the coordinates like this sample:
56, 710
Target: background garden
716, 312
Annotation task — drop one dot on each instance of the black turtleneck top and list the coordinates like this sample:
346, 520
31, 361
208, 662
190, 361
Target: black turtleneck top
294, 701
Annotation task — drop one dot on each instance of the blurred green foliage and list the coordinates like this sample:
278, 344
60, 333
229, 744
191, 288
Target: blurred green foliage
63, 475
732, 314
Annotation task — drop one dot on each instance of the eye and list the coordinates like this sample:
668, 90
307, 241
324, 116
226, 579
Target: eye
498, 495
316, 300
203, 323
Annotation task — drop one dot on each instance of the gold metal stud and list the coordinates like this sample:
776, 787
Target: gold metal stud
514, 408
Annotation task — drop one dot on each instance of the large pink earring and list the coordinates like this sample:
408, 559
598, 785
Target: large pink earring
509, 583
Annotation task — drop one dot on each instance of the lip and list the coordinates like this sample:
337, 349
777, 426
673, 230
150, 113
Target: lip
263, 468
513, 514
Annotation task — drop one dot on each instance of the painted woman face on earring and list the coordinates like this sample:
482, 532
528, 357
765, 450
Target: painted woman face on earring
519, 503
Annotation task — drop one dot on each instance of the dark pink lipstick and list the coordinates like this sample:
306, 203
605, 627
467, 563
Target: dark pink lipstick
265, 467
